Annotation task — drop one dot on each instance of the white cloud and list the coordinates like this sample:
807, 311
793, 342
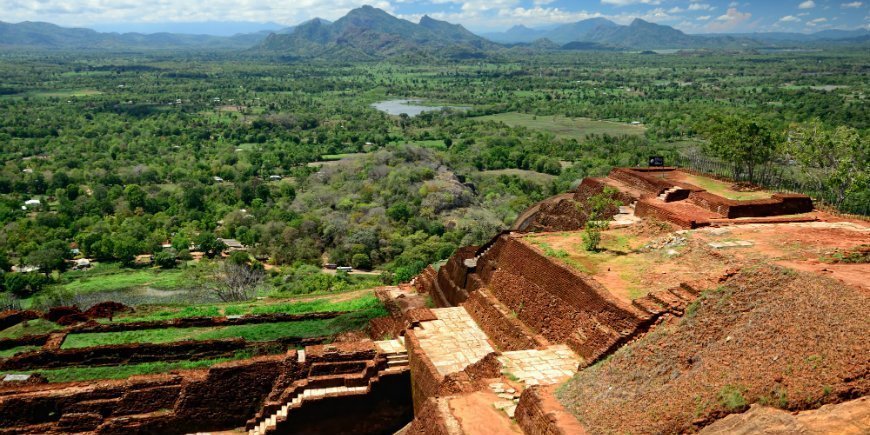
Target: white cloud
731, 19
703, 18
809, 4
817, 21
676, 10
631, 2
789, 19
854, 5
701, 7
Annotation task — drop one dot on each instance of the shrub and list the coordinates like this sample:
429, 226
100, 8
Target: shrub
25, 284
361, 261
165, 259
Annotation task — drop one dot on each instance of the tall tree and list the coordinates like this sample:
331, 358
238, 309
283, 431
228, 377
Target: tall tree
742, 141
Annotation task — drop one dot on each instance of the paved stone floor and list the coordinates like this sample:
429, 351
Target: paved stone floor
547, 366
391, 346
454, 341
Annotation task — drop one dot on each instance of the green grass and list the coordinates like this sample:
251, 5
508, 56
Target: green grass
563, 127
731, 397
66, 93
235, 309
723, 189
30, 327
16, 350
73, 374
113, 278
255, 332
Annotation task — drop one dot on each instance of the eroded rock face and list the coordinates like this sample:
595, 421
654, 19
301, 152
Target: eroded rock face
845, 418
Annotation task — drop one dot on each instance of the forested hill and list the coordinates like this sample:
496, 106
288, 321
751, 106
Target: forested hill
368, 32
37, 35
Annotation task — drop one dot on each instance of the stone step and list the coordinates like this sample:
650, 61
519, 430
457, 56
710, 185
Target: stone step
668, 300
648, 305
683, 294
397, 362
687, 287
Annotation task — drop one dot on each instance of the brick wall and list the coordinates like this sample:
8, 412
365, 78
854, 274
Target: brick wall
539, 413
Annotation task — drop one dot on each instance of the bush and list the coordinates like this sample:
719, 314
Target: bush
25, 284
361, 261
165, 259
239, 257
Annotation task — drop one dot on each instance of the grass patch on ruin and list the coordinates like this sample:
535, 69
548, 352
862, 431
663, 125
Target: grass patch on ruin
723, 189
6, 353
368, 301
30, 327
355, 320
75, 374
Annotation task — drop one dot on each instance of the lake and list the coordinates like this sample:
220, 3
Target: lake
409, 107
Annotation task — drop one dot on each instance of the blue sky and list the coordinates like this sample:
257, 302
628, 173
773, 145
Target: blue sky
691, 16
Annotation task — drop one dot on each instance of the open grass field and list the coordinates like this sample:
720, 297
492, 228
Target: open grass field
110, 278
575, 128
66, 93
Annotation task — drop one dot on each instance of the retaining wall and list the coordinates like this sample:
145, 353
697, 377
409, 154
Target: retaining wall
540, 413
646, 208
224, 396
503, 328
778, 204
555, 300
10, 318
144, 352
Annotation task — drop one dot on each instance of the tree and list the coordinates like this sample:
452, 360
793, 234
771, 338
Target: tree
837, 160
125, 249
598, 207
740, 141
50, 256
25, 284
210, 245
233, 282
361, 261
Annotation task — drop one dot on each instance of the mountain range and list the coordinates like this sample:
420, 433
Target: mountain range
371, 33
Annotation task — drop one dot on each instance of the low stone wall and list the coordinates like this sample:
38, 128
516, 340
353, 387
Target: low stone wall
778, 204
434, 418
425, 379
641, 179
11, 318
27, 340
144, 352
197, 322
540, 413
646, 208
224, 396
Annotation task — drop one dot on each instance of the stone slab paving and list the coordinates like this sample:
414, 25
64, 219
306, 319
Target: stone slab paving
552, 365
453, 341
390, 346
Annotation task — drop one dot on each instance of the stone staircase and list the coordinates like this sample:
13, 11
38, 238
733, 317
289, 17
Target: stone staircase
324, 386
664, 195
673, 300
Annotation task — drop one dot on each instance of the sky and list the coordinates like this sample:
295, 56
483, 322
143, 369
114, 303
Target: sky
691, 16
